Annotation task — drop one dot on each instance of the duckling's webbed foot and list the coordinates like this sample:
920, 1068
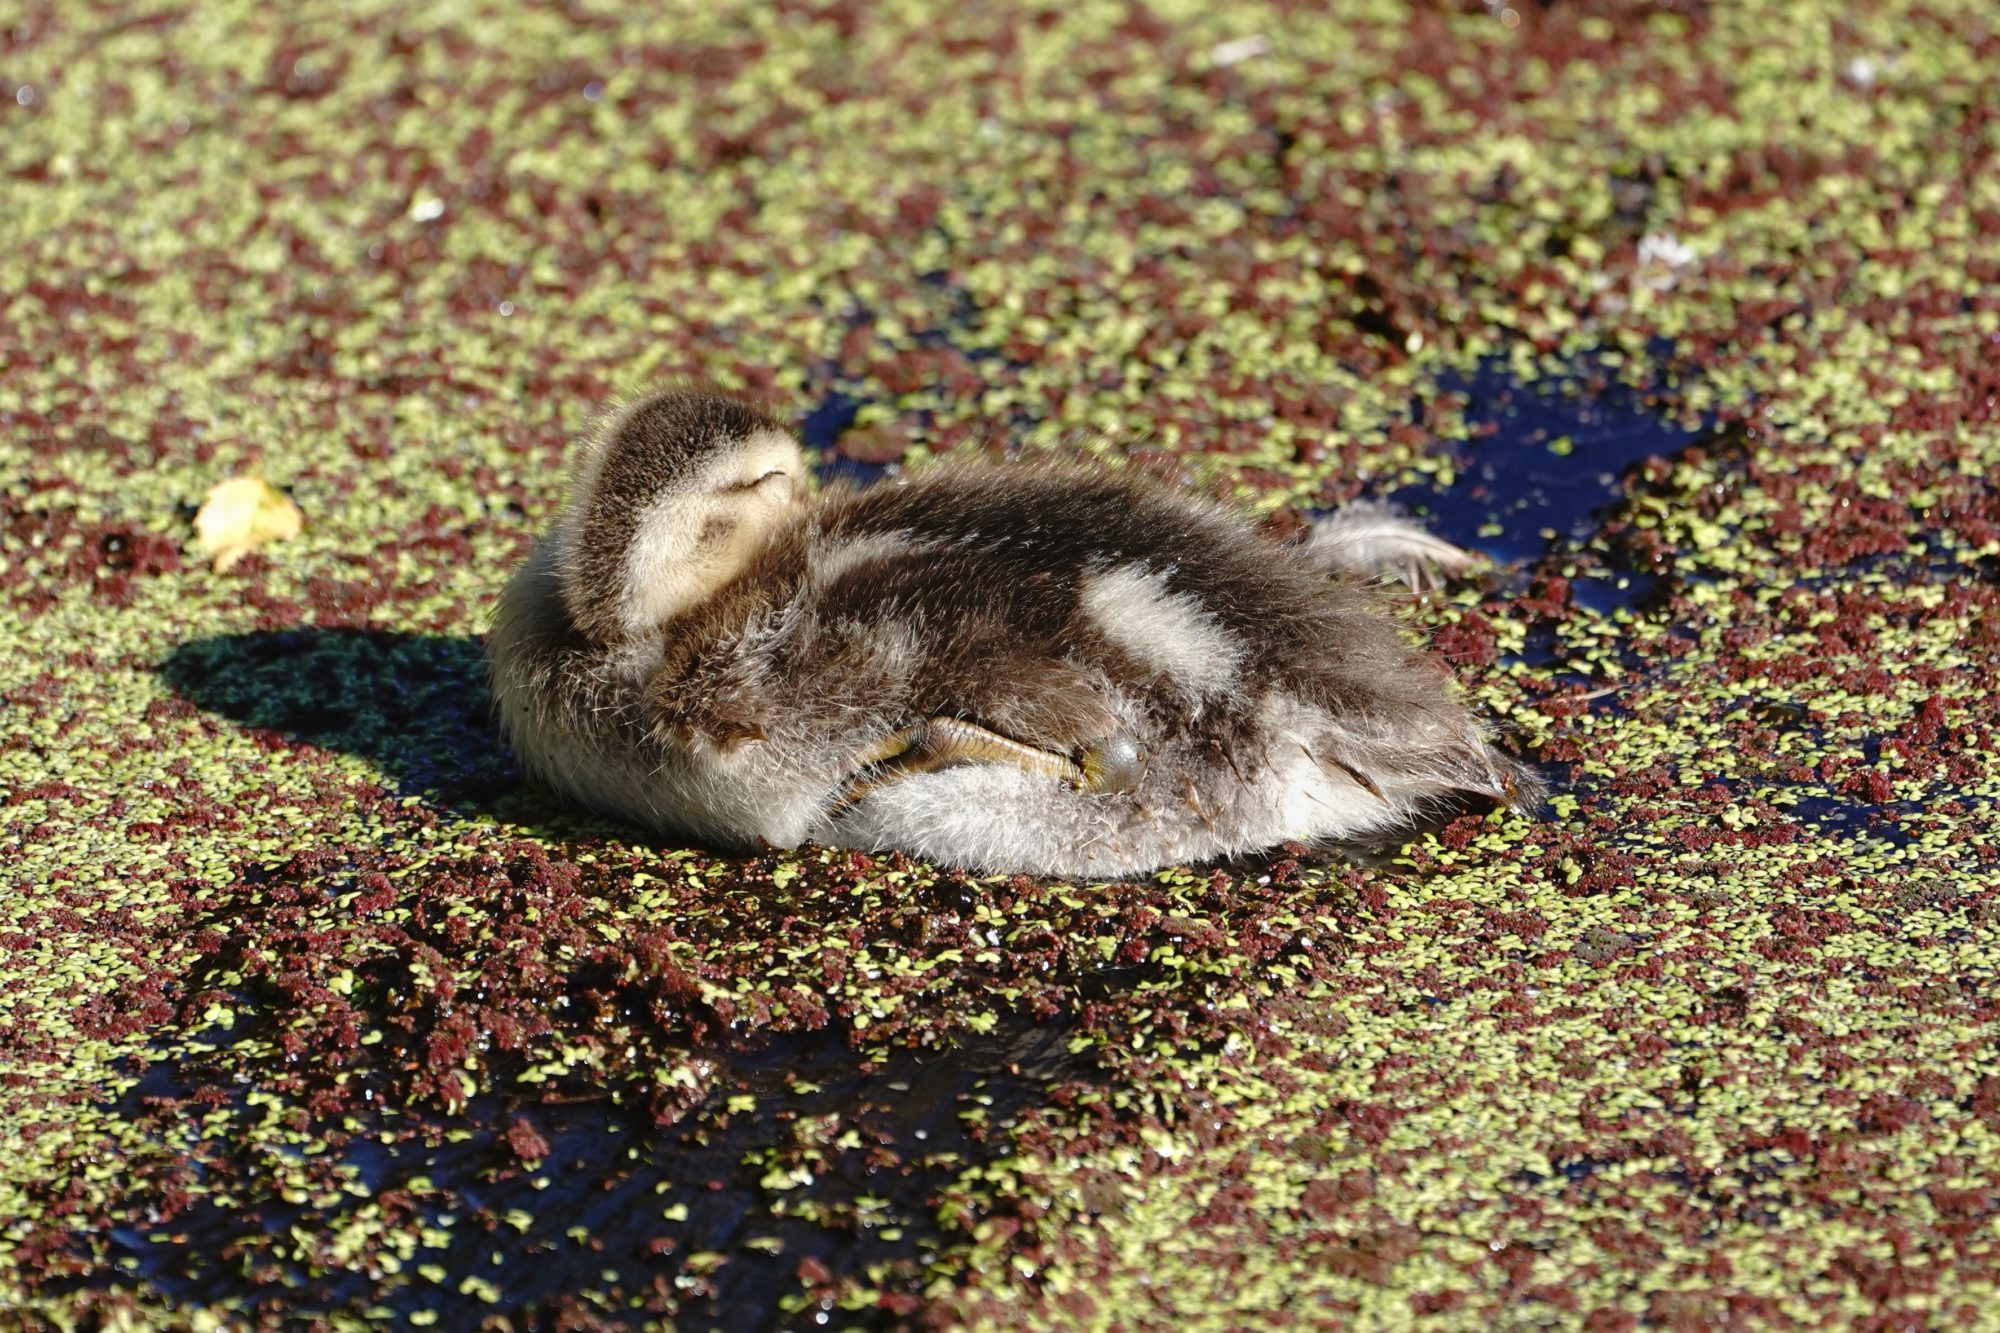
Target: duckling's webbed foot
1112, 766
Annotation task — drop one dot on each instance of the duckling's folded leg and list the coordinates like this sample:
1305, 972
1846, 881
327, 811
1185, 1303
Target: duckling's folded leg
1109, 767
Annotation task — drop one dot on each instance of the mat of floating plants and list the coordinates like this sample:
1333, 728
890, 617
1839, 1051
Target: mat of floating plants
1685, 315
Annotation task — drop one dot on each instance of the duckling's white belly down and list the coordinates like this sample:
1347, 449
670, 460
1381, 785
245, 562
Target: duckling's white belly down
745, 797
1195, 804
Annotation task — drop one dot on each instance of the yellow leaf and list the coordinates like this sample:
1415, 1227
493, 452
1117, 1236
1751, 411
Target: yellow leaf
242, 514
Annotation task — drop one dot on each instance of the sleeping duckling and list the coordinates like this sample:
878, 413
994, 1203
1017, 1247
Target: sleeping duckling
1024, 667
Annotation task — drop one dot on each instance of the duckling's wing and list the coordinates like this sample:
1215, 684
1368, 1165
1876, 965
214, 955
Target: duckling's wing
985, 610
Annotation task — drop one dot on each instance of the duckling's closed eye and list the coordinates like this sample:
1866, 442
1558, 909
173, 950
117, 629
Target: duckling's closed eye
765, 482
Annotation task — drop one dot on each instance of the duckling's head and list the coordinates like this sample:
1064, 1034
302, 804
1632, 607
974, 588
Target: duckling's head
669, 500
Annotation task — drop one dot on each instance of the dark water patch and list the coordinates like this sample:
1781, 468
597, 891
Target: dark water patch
929, 359
824, 422
1544, 460
843, 452
1855, 819
1607, 591
1755, 1188
1542, 650
807, 1166
821, 430
1575, 1171
1899, 568
1538, 488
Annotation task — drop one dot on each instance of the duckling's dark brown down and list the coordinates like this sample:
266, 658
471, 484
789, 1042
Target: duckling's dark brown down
1060, 607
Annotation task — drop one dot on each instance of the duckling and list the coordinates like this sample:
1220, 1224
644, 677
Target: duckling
1045, 668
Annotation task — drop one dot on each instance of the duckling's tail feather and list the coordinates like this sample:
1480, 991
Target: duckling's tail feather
1369, 539
1414, 784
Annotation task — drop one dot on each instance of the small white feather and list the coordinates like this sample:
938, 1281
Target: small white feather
1372, 540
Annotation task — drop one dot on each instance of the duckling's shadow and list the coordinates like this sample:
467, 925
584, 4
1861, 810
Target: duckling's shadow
415, 706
